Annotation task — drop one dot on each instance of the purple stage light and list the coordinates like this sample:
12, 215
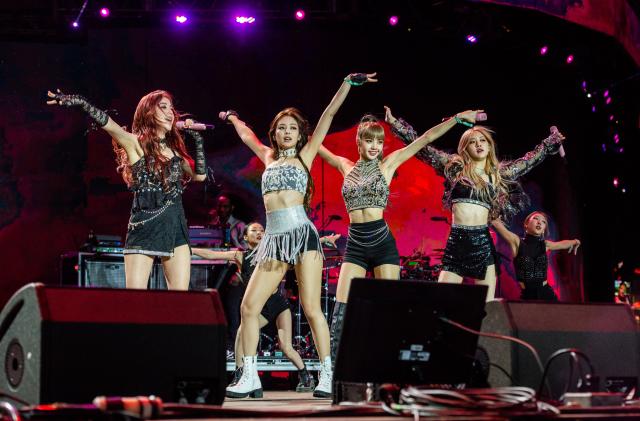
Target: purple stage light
611, 117
604, 147
584, 84
593, 109
75, 24
606, 93
393, 20
181, 19
300, 14
615, 181
621, 150
245, 19
569, 59
544, 50
472, 39
105, 12
608, 100
616, 138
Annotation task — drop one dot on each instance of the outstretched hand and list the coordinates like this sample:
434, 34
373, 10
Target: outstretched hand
58, 97
358, 79
331, 239
388, 117
574, 247
469, 115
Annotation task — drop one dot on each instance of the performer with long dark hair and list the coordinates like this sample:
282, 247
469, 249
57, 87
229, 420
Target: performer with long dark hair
155, 165
529, 254
371, 245
478, 188
290, 237
276, 309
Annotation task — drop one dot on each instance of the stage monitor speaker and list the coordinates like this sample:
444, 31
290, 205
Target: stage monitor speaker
393, 333
62, 344
606, 333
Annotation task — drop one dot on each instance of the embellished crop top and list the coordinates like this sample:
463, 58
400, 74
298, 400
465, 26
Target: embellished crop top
365, 186
147, 187
463, 193
284, 177
531, 262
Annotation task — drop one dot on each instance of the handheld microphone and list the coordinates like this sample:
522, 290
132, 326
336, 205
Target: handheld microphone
195, 126
481, 116
561, 151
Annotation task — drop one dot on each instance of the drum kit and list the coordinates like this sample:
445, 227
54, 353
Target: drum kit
419, 266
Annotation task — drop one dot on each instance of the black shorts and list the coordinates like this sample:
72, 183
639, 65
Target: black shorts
469, 251
313, 243
275, 305
371, 244
157, 235
538, 292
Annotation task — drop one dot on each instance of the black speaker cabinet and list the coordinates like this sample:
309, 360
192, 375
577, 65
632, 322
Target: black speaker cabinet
606, 333
70, 344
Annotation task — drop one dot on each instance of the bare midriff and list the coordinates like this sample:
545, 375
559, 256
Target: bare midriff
282, 199
469, 214
359, 216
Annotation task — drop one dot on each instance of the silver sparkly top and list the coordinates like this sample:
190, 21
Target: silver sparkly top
365, 186
284, 177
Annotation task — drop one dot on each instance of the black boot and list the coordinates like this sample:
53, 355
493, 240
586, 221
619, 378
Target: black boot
337, 323
236, 376
306, 382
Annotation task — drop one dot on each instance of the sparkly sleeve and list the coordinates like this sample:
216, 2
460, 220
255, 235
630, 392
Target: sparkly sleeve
519, 167
200, 165
98, 115
430, 155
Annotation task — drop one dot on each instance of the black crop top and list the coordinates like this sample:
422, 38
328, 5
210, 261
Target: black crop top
531, 261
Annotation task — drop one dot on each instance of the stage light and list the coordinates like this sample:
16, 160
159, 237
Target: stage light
569, 59
472, 39
393, 20
611, 117
75, 24
624, 190
181, 19
606, 93
105, 12
621, 150
593, 108
608, 100
604, 147
615, 182
616, 138
544, 50
245, 19
588, 94
300, 14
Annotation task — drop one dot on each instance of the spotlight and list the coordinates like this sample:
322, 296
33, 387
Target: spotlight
393, 20
544, 50
584, 85
608, 100
472, 39
616, 138
615, 182
181, 19
569, 59
75, 24
245, 19
621, 150
588, 95
605, 93
604, 147
611, 117
105, 12
300, 14
593, 109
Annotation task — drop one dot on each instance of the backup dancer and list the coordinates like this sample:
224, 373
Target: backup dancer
478, 188
530, 255
290, 237
155, 165
371, 245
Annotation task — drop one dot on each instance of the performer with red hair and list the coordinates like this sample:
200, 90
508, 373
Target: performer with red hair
155, 165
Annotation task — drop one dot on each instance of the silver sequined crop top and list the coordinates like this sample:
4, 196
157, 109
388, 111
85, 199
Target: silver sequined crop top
284, 177
365, 187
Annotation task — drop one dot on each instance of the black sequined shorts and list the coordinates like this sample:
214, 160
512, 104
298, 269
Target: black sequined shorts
275, 305
469, 251
371, 244
155, 232
538, 292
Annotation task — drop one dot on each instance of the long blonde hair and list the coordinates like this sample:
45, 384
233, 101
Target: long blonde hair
461, 169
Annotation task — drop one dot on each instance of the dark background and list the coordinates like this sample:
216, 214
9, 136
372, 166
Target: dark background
56, 183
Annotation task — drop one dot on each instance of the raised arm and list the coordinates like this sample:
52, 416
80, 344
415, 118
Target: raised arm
397, 158
511, 239
340, 163
430, 155
549, 146
199, 172
248, 137
308, 153
128, 141
569, 245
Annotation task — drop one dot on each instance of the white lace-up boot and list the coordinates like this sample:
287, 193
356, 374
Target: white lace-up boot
325, 379
249, 383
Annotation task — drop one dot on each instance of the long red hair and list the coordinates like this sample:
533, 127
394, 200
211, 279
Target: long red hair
144, 127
